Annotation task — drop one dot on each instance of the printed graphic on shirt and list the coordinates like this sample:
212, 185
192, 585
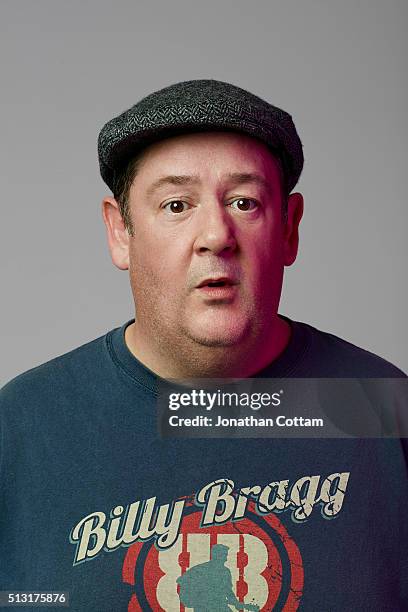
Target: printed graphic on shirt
219, 549
262, 563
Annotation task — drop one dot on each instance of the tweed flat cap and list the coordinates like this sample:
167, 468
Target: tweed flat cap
195, 106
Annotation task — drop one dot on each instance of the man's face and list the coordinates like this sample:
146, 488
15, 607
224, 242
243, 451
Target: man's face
209, 246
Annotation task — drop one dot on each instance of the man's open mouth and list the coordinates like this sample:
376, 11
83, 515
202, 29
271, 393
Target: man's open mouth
219, 282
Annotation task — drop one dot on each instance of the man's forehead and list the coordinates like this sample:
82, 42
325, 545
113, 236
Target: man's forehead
218, 141
187, 159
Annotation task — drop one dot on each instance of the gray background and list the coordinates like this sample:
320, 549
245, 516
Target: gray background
67, 67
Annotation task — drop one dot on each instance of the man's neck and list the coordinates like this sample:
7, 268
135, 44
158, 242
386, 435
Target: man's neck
192, 360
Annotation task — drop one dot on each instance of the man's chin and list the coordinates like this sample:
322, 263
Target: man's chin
215, 342
224, 337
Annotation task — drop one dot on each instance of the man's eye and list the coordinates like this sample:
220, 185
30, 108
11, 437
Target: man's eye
244, 204
176, 206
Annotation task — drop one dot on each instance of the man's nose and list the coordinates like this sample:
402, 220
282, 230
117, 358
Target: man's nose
215, 231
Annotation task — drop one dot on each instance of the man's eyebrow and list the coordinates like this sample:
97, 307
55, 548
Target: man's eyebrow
238, 178
173, 179
233, 179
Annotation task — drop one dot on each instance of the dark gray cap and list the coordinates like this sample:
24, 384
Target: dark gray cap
196, 106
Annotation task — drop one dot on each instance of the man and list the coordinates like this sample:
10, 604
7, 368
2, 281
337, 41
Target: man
95, 503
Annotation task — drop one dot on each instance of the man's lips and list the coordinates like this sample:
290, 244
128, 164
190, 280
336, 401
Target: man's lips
220, 281
219, 288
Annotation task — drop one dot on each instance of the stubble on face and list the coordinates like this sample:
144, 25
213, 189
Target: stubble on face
176, 339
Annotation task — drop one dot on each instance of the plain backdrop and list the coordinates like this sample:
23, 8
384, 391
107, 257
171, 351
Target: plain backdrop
68, 67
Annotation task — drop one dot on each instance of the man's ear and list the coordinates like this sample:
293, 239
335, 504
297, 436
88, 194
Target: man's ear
291, 229
118, 236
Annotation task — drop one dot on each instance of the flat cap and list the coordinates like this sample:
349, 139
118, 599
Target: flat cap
195, 106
